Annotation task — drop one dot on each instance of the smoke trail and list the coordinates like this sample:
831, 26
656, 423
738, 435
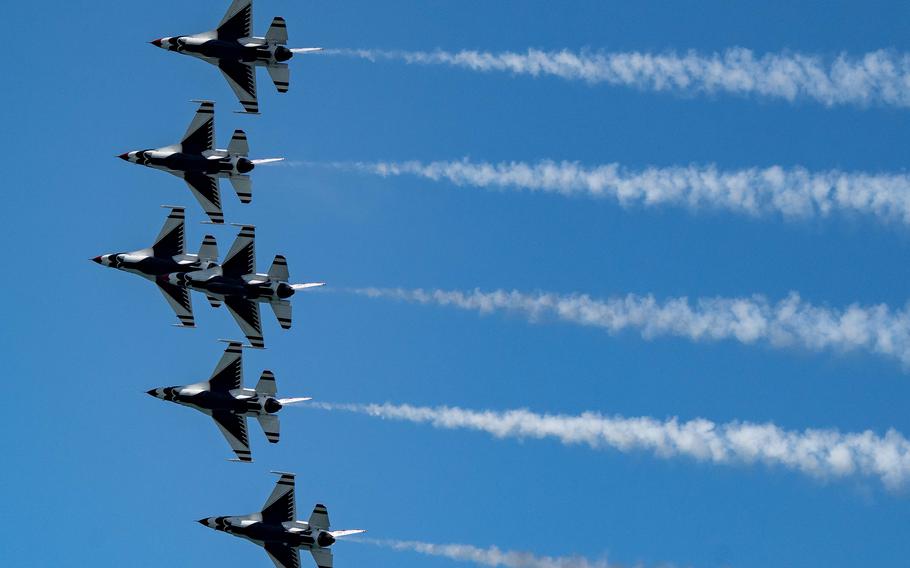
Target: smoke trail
794, 193
791, 322
818, 453
491, 556
879, 77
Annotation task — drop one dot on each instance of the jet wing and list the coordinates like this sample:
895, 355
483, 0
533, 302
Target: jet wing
179, 299
170, 241
283, 555
205, 190
242, 79
233, 426
241, 258
200, 135
237, 22
322, 556
228, 373
246, 314
281, 506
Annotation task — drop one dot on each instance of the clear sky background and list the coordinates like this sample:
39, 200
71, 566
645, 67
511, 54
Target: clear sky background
98, 473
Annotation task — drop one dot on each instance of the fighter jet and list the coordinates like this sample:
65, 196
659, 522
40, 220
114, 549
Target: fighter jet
196, 160
277, 529
167, 256
234, 50
229, 404
236, 283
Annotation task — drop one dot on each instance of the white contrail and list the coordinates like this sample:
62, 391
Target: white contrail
794, 193
879, 77
492, 556
790, 322
825, 454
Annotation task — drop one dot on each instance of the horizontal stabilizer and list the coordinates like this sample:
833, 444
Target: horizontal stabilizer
307, 285
281, 76
243, 185
282, 309
278, 31
261, 161
238, 145
266, 384
319, 519
306, 49
322, 556
209, 248
270, 426
279, 269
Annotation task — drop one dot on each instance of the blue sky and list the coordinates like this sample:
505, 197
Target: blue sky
117, 477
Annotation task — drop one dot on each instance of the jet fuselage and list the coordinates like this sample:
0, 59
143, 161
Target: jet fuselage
249, 50
248, 403
147, 265
262, 533
214, 163
258, 287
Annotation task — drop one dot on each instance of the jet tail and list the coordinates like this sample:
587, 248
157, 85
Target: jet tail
278, 31
209, 248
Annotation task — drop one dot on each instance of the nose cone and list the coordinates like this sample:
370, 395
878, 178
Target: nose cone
156, 42
207, 522
97, 259
153, 392
125, 156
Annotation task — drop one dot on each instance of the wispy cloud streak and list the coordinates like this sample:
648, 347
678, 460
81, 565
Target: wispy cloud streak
790, 322
879, 77
492, 556
824, 454
794, 193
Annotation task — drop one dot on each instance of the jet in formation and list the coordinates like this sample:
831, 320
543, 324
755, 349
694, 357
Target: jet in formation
277, 529
237, 285
200, 164
233, 49
167, 256
229, 404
